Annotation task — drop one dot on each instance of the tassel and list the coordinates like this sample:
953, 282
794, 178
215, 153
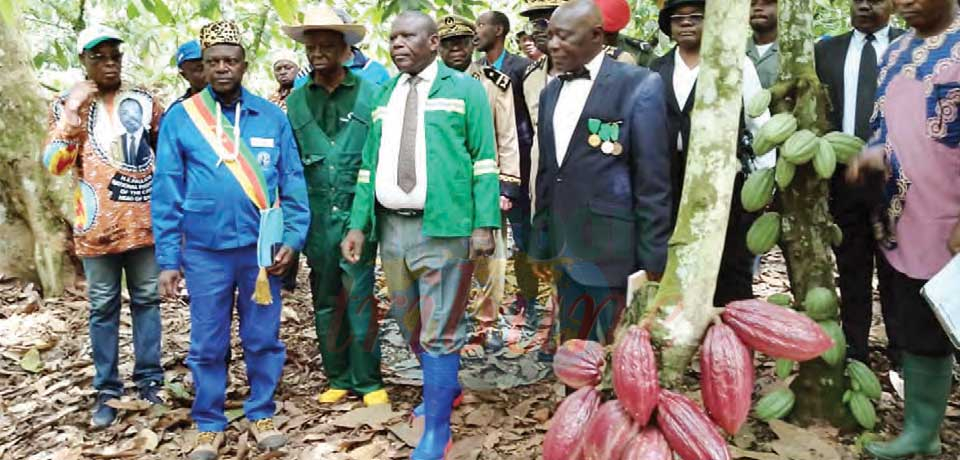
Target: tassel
261, 294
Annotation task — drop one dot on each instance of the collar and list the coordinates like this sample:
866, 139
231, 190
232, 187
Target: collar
594, 65
427, 75
358, 60
679, 63
498, 64
882, 34
247, 102
350, 79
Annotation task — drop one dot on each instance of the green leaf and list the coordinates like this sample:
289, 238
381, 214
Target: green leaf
132, 11
286, 10
233, 414
210, 9
8, 12
163, 13
31, 362
148, 5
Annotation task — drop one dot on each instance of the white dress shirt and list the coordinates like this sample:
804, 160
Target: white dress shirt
573, 97
389, 193
684, 79
851, 72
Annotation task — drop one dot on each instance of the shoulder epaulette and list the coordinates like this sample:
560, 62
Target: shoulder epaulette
498, 78
534, 66
612, 51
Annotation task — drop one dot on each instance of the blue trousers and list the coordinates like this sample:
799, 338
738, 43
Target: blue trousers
217, 280
103, 287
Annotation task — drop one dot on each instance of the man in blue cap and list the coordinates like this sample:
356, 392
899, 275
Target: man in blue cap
190, 64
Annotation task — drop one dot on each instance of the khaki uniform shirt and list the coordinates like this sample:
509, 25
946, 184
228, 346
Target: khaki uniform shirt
500, 96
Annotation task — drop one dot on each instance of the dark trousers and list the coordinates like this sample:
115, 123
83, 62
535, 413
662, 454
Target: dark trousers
850, 206
588, 312
735, 280
528, 286
920, 330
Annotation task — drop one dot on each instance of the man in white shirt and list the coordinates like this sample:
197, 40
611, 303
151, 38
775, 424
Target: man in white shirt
847, 66
603, 194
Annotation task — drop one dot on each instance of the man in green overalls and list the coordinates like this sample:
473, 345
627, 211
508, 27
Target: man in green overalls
331, 117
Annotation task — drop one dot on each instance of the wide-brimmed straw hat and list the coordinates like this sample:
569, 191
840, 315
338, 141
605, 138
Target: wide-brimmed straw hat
322, 17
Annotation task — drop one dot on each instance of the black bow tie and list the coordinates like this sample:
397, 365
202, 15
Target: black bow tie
575, 75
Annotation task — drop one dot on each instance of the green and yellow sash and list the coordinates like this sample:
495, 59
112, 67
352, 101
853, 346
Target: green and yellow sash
202, 110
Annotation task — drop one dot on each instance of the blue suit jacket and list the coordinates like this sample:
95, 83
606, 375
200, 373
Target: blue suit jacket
197, 204
606, 216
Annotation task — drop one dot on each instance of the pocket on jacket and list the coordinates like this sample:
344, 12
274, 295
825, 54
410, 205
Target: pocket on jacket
199, 224
612, 210
612, 231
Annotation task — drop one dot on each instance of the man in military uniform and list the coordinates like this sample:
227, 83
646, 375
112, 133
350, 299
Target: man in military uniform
428, 190
616, 16
456, 47
762, 45
331, 118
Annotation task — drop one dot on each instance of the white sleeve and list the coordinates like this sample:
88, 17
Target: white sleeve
752, 86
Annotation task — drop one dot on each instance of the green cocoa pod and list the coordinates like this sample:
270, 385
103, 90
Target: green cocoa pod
846, 396
784, 173
757, 191
838, 352
801, 147
863, 410
784, 368
825, 160
779, 128
775, 405
764, 233
820, 304
782, 299
861, 375
844, 145
758, 103
836, 235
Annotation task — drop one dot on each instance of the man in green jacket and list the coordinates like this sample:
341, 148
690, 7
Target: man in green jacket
330, 117
428, 190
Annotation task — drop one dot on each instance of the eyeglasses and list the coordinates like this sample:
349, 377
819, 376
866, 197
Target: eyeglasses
695, 18
101, 58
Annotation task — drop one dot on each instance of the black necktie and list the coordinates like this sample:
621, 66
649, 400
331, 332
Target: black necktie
575, 75
866, 87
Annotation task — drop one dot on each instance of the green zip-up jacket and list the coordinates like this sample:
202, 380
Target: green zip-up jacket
463, 189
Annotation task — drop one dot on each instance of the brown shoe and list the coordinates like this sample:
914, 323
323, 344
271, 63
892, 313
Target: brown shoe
267, 435
208, 446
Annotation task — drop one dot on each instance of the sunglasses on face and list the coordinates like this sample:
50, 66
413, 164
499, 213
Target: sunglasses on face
695, 18
102, 58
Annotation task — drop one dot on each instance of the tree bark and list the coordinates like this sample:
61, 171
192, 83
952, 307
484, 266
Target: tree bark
806, 217
684, 303
34, 205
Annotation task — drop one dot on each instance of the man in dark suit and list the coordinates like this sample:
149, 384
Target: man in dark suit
493, 28
847, 65
603, 199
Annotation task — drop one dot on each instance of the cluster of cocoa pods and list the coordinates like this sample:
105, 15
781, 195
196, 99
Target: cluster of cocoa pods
647, 422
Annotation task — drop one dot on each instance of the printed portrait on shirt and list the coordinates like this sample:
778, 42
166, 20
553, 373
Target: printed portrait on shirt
122, 138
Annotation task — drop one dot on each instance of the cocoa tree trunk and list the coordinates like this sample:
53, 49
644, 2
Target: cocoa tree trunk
684, 302
33, 205
806, 233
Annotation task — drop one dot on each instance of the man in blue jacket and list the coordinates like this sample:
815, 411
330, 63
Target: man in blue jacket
230, 210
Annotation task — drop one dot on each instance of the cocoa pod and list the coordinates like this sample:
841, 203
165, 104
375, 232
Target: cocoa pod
726, 377
579, 363
609, 432
775, 405
564, 439
648, 445
688, 430
776, 331
635, 374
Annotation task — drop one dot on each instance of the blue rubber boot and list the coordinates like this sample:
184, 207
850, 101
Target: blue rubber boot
440, 388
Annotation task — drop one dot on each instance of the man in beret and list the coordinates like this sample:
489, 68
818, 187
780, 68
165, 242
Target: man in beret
229, 212
190, 66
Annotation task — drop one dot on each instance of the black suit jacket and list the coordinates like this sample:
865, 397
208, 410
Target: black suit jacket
849, 204
515, 67
678, 122
606, 216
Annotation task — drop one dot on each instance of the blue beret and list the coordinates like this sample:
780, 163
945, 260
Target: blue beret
188, 51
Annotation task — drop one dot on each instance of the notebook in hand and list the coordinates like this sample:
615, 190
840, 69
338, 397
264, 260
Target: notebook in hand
942, 292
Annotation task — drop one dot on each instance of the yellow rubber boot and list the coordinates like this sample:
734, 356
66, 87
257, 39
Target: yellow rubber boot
376, 397
333, 395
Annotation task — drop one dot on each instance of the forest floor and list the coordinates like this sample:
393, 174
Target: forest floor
46, 394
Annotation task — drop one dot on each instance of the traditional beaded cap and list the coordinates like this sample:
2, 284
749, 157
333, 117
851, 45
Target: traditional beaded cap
220, 33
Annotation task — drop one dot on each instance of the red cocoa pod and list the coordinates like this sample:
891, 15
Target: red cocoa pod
609, 432
776, 331
564, 439
648, 445
635, 374
688, 430
726, 377
579, 363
